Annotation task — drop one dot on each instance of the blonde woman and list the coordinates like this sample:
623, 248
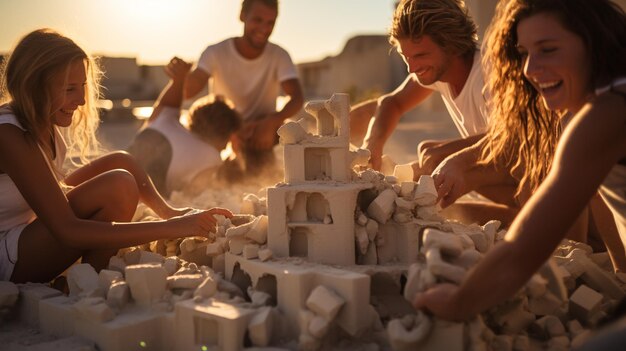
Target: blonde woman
49, 219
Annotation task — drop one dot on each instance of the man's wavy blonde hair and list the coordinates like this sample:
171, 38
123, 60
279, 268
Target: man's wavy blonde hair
446, 22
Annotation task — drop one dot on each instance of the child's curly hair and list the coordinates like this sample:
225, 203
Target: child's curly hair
213, 117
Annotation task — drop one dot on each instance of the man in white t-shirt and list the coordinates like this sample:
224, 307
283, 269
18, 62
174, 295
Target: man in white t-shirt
438, 42
251, 72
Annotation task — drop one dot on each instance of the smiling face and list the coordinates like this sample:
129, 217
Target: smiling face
555, 62
258, 23
424, 58
68, 93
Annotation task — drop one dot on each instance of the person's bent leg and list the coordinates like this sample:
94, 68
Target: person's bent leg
111, 196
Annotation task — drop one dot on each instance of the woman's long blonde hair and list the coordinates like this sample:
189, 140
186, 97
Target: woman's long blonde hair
26, 85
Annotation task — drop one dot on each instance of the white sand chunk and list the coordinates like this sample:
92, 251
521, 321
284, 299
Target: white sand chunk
383, 206
584, 302
258, 232
324, 302
261, 326
407, 333
81, 279
107, 277
184, 281
438, 267
425, 192
118, 294
318, 327
265, 254
404, 172
291, 133
147, 282
448, 243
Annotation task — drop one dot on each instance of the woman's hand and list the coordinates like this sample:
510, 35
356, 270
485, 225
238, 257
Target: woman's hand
200, 222
440, 300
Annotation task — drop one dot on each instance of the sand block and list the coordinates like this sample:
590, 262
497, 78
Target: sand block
56, 316
213, 324
383, 206
184, 281
258, 232
291, 133
250, 251
265, 254
150, 257
325, 302
118, 294
261, 326
170, 264
584, 302
425, 193
404, 172
439, 268
408, 332
117, 264
81, 279
107, 277
28, 302
128, 331
207, 288
147, 282
447, 243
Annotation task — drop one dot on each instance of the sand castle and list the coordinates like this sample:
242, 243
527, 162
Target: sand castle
328, 260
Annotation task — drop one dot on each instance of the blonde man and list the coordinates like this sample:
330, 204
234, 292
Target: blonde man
437, 40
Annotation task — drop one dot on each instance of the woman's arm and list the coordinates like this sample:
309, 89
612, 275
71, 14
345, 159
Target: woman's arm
122, 160
590, 147
22, 160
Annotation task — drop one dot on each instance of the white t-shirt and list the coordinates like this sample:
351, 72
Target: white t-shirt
252, 85
190, 154
14, 210
468, 110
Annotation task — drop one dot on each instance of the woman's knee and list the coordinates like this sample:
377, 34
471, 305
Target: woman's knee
124, 194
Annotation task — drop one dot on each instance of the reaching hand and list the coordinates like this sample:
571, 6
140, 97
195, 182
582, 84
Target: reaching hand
440, 301
449, 179
376, 154
201, 222
177, 69
264, 135
431, 157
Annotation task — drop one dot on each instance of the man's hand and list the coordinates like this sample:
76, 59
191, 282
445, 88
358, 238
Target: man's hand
177, 69
376, 154
430, 157
260, 134
449, 179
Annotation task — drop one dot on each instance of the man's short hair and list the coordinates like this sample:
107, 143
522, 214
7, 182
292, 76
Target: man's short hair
213, 118
247, 4
446, 22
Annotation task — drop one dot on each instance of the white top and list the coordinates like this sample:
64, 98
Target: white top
468, 110
190, 154
252, 85
14, 210
613, 188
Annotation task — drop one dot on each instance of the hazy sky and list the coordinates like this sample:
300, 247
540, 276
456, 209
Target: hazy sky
155, 30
